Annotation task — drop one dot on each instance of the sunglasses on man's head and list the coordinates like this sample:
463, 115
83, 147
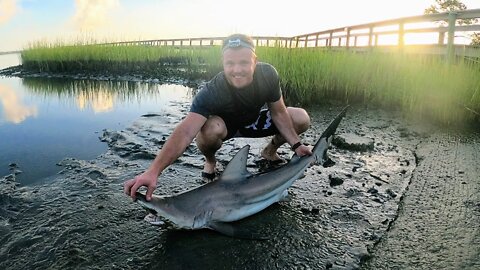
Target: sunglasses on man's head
235, 43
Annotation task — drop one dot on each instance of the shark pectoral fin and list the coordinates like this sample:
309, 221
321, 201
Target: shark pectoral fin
229, 229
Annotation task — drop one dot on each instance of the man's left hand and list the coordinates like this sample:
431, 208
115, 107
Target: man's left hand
303, 150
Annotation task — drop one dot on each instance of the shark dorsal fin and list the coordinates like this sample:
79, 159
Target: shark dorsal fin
237, 167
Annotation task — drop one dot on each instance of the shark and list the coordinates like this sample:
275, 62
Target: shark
237, 193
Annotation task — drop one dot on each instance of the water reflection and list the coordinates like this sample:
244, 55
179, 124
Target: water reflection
59, 118
14, 110
101, 96
99, 102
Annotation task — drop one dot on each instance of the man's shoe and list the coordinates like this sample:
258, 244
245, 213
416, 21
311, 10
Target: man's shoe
208, 177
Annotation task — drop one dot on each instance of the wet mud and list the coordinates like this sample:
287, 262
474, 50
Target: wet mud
438, 223
368, 208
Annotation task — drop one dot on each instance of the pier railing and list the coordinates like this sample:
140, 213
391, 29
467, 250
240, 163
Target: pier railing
206, 41
445, 26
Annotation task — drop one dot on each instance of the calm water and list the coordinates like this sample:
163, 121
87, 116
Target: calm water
43, 121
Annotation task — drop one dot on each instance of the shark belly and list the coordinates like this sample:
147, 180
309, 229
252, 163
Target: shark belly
252, 207
248, 210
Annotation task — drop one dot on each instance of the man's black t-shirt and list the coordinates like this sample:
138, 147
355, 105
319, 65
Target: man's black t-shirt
240, 106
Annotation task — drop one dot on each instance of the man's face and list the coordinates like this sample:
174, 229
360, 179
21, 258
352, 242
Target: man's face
239, 65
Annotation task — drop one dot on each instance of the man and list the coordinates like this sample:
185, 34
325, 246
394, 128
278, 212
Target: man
231, 105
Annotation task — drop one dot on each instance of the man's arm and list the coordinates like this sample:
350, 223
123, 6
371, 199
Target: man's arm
284, 124
174, 147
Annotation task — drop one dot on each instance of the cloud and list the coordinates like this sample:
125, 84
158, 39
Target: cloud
92, 14
13, 109
8, 8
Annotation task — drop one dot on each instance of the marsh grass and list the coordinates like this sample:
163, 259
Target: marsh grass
419, 85
153, 60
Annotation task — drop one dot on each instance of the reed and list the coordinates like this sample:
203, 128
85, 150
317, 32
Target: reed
116, 58
422, 86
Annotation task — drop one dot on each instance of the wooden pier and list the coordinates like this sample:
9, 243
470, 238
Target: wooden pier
365, 36
362, 37
443, 25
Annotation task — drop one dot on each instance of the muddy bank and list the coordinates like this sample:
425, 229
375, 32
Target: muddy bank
438, 222
165, 74
333, 218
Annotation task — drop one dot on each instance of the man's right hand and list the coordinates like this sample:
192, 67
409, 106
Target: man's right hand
146, 179
176, 144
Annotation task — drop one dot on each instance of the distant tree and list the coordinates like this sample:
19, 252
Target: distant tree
445, 6
475, 39
441, 6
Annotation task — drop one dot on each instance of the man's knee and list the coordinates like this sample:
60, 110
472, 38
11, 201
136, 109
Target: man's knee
300, 119
213, 130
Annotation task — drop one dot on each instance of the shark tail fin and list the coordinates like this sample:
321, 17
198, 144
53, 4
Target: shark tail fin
321, 147
229, 229
332, 127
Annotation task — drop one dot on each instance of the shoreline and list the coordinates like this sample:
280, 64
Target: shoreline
173, 74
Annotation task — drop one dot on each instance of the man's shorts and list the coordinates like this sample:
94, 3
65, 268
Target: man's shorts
262, 127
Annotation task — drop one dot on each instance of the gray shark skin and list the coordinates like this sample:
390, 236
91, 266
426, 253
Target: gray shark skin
236, 194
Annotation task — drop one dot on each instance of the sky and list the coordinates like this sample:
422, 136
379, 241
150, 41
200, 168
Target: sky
23, 22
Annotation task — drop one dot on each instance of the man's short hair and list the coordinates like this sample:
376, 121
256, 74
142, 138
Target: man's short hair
238, 41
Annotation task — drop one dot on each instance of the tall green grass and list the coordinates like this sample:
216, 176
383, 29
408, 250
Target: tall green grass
423, 86
116, 58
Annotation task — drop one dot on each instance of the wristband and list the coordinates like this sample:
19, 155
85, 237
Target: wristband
295, 146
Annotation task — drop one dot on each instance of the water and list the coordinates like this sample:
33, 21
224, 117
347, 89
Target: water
43, 121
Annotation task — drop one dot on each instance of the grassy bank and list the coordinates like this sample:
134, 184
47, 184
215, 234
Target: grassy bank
153, 61
423, 86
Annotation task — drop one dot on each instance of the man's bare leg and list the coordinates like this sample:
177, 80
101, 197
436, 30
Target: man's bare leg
209, 140
301, 122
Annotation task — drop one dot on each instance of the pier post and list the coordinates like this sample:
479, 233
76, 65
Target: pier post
452, 18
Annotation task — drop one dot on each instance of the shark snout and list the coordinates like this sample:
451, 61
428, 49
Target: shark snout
142, 200
140, 197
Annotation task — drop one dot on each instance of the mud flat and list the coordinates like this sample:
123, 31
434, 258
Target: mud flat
337, 217
438, 223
